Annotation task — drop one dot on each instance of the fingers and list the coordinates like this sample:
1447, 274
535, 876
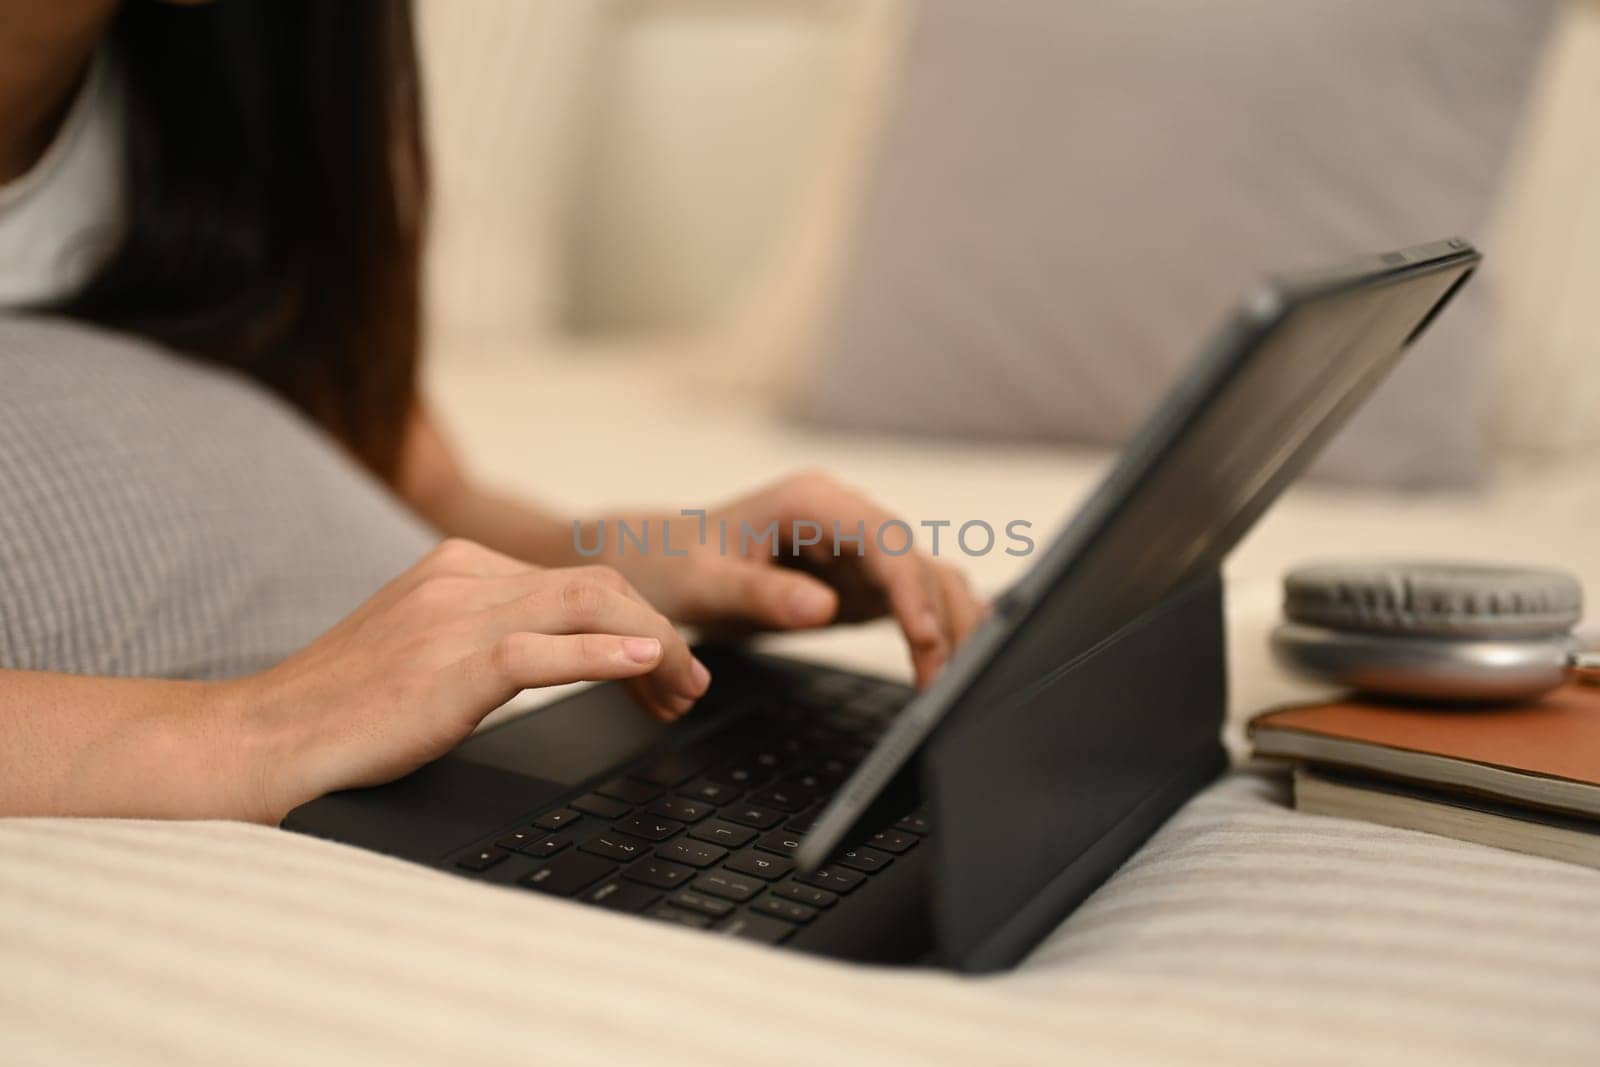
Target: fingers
495, 596
749, 593
468, 559
964, 610
577, 601
456, 594
527, 660
568, 600
917, 603
915, 594
930, 601
454, 558
937, 613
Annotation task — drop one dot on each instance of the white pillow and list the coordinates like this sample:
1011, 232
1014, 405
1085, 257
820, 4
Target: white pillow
1072, 195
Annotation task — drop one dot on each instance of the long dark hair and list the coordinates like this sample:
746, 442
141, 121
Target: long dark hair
276, 193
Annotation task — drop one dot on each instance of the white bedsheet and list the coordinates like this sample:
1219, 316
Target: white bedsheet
1243, 933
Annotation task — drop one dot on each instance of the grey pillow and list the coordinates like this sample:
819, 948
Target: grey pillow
161, 518
1069, 197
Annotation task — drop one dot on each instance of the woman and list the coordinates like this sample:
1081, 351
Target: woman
243, 183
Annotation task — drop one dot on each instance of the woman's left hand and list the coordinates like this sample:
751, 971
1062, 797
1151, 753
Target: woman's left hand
795, 579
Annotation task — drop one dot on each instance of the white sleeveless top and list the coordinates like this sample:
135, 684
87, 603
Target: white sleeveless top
59, 219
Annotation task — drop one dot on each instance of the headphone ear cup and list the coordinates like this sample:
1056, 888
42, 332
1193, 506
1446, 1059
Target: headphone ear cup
1430, 631
1450, 600
1424, 668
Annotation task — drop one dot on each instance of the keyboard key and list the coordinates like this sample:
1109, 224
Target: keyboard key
728, 885
660, 873
694, 853
805, 894
760, 865
547, 846
649, 827
834, 879
620, 895
781, 842
516, 839
668, 913
481, 859
710, 792
555, 820
915, 823
689, 900
630, 790
603, 807
832, 766
761, 928
830, 688
806, 781
846, 722
863, 858
678, 767
771, 760
785, 800
565, 875
681, 809
616, 846
876, 703
748, 735
780, 709
741, 775
820, 742
805, 822
726, 834
785, 909
892, 840
752, 815
793, 746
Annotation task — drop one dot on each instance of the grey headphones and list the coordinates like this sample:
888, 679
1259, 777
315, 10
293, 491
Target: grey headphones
1434, 631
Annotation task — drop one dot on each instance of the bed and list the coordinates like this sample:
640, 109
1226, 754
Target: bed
1242, 932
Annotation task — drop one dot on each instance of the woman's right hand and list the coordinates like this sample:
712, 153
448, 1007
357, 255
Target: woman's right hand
410, 673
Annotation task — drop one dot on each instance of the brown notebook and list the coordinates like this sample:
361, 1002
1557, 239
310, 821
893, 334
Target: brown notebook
1545, 754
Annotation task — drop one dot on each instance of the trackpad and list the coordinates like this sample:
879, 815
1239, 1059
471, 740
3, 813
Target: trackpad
570, 740
495, 778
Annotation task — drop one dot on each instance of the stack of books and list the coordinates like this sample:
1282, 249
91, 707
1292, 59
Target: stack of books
1525, 778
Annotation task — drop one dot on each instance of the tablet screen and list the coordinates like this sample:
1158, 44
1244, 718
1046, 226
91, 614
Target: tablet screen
1245, 421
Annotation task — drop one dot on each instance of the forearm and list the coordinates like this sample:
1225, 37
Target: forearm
504, 523
437, 486
123, 747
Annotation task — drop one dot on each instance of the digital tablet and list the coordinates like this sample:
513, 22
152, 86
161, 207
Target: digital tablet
1274, 385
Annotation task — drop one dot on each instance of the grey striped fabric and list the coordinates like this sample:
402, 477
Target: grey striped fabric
162, 519
1242, 934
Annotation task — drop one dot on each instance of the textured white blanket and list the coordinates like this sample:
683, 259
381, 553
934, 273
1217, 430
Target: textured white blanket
1243, 933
